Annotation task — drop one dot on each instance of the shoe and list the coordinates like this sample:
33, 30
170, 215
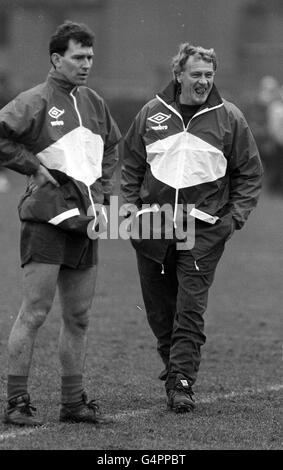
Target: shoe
20, 412
82, 412
180, 398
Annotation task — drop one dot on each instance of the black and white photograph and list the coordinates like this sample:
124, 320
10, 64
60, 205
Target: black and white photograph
141, 228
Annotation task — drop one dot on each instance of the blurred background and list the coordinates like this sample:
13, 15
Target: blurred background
135, 42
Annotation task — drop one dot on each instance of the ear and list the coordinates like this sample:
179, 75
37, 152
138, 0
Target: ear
179, 77
56, 59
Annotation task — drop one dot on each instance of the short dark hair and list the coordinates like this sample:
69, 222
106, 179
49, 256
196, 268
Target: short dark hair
185, 51
79, 32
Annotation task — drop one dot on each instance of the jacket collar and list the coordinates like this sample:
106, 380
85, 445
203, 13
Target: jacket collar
60, 81
170, 96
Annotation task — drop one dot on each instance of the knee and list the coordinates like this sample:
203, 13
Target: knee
34, 311
77, 320
32, 318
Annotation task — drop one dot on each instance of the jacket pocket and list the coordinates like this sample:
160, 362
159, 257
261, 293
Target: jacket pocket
58, 206
208, 236
228, 221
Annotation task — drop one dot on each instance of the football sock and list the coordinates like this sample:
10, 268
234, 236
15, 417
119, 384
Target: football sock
16, 386
71, 389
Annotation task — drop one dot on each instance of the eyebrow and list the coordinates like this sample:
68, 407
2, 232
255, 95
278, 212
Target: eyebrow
83, 55
198, 72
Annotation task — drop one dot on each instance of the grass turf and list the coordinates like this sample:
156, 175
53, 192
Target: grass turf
243, 352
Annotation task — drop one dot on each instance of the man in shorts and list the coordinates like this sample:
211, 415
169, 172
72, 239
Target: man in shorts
61, 134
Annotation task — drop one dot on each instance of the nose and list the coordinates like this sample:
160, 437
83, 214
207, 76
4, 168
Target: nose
203, 81
87, 64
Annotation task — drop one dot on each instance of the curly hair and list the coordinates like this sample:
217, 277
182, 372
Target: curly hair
185, 51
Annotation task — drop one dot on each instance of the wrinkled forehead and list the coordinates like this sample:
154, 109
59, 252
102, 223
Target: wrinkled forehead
197, 62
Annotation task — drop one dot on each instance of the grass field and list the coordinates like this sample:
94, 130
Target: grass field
240, 384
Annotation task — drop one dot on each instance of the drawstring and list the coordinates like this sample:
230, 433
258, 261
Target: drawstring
93, 207
175, 208
104, 212
196, 266
153, 208
162, 269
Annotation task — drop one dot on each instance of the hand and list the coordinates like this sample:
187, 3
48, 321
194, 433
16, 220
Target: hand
127, 210
41, 177
233, 228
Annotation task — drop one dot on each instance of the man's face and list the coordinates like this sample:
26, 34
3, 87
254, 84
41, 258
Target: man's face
75, 64
196, 81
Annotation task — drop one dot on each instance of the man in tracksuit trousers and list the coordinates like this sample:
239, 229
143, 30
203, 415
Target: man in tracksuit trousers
187, 147
61, 134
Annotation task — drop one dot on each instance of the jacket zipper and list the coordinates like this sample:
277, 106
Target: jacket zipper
76, 107
185, 129
173, 110
203, 111
82, 147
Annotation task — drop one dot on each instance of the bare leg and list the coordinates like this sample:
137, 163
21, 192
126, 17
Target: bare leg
76, 291
39, 286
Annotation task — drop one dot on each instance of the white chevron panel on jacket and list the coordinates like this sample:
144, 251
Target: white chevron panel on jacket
184, 160
77, 154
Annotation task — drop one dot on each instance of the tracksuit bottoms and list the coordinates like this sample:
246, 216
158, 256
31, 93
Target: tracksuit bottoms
175, 295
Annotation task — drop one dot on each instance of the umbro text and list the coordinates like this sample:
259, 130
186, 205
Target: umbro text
159, 128
57, 123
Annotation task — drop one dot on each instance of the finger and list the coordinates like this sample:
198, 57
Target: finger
33, 187
48, 177
52, 180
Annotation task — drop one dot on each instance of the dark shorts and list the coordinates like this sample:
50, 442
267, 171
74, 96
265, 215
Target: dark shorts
46, 243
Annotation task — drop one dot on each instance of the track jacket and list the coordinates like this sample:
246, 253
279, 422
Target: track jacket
70, 131
212, 163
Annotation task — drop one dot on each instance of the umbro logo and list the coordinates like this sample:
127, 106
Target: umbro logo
184, 382
55, 113
159, 118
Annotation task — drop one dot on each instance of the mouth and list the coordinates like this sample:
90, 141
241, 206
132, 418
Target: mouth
201, 91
